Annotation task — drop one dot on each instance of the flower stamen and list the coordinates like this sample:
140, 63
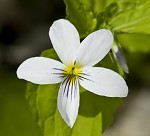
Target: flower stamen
71, 72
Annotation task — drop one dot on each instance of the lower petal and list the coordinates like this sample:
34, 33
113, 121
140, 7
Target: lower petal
103, 81
68, 101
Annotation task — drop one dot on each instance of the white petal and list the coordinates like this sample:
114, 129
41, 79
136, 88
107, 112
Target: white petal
40, 70
94, 47
104, 82
68, 102
65, 40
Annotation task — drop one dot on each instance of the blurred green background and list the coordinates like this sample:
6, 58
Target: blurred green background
24, 26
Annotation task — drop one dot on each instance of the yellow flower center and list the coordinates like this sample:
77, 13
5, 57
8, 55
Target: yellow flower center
71, 72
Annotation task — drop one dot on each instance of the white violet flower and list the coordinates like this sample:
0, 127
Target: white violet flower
75, 68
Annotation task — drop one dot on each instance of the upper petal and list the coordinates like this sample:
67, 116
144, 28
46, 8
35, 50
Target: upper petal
65, 40
103, 81
94, 47
40, 70
68, 101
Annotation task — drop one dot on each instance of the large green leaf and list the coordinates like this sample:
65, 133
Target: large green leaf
131, 17
119, 16
128, 23
125, 17
96, 113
